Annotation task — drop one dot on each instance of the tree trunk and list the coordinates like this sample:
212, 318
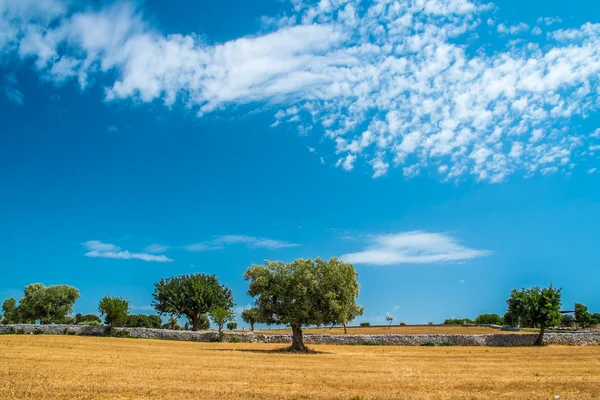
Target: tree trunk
110, 328
540, 339
345, 331
194, 322
252, 325
297, 342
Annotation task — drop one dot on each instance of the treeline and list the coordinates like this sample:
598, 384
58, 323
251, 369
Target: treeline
301, 293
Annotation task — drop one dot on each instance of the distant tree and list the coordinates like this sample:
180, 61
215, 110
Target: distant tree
144, 321
47, 304
365, 324
221, 316
172, 324
192, 296
304, 292
402, 323
11, 314
86, 319
251, 316
582, 314
539, 307
232, 326
186, 326
114, 310
567, 320
155, 321
489, 319
458, 321
389, 319
596, 319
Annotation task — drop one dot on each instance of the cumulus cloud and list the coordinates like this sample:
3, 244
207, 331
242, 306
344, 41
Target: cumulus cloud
390, 84
98, 249
415, 247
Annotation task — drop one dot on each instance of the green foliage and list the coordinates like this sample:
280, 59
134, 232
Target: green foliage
536, 308
596, 319
365, 324
231, 326
567, 320
402, 323
114, 310
143, 321
38, 331
582, 314
192, 296
121, 333
428, 344
389, 319
69, 332
172, 324
305, 292
221, 316
251, 316
489, 319
87, 319
11, 312
234, 339
459, 321
90, 323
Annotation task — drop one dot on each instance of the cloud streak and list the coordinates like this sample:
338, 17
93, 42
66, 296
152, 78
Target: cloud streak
98, 249
416, 247
221, 242
390, 84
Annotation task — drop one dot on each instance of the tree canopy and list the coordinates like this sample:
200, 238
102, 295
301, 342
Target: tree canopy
114, 310
305, 292
49, 305
536, 307
220, 316
191, 295
251, 316
489, 319
582, 315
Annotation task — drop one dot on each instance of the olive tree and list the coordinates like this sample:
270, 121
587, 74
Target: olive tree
540, 308
304, 292
221, 316
582, 314
192, 296
47, 304
114, 310
251, 316
232, 326
389, 319
11, 312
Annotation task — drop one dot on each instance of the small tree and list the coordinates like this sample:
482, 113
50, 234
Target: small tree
365, 324
304, 292
582, 315
232, 326
221, 316
114, 310
11, 312
192, 296
251, 316
539, 307
489, 319
389, 319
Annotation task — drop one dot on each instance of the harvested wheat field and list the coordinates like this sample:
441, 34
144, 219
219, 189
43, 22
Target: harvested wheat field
68, 367
401, 330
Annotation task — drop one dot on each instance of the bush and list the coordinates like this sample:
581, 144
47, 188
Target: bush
11, 331
365, 324
121, 333
20, 331
69, 332
458, 321
234, 339
38, 331
489, 319
231, 326
402, 324
428, 344
90, 323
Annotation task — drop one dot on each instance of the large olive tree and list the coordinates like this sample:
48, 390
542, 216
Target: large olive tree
47, 304
536, 307
192, 296
305, 292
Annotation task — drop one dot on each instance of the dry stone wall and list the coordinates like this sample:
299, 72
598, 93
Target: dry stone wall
577, 339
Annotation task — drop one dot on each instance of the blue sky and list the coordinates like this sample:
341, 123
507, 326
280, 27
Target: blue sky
449, 149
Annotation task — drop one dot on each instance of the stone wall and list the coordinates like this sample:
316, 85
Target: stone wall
579, 339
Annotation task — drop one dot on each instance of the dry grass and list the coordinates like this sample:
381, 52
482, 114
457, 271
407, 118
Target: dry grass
441, 329
68, 367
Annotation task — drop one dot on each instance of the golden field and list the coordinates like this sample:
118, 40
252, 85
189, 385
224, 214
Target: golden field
403, 330
70, 367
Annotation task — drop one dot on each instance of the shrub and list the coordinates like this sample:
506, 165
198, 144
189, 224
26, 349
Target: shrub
121, 333
232, 325
446, 344
20, 331
489, 319
70, 332
402, 324
90, 323
234, 339
365, 324
38, 331
428, 344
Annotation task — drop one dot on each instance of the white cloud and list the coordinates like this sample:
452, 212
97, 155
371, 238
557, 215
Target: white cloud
536, 31
10, 90
251, 241
98, 249
156, 248
113, 128
311, 149
549, 20
461, 281
415, 247
592, 170
400, 71
512, 30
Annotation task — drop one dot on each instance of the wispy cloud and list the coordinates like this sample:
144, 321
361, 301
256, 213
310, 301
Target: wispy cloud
10, 89
221, 242
113, 128
461, 281
98, 249
415, 247
389, 85
156, 248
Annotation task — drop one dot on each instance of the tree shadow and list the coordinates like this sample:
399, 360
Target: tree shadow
281, 350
